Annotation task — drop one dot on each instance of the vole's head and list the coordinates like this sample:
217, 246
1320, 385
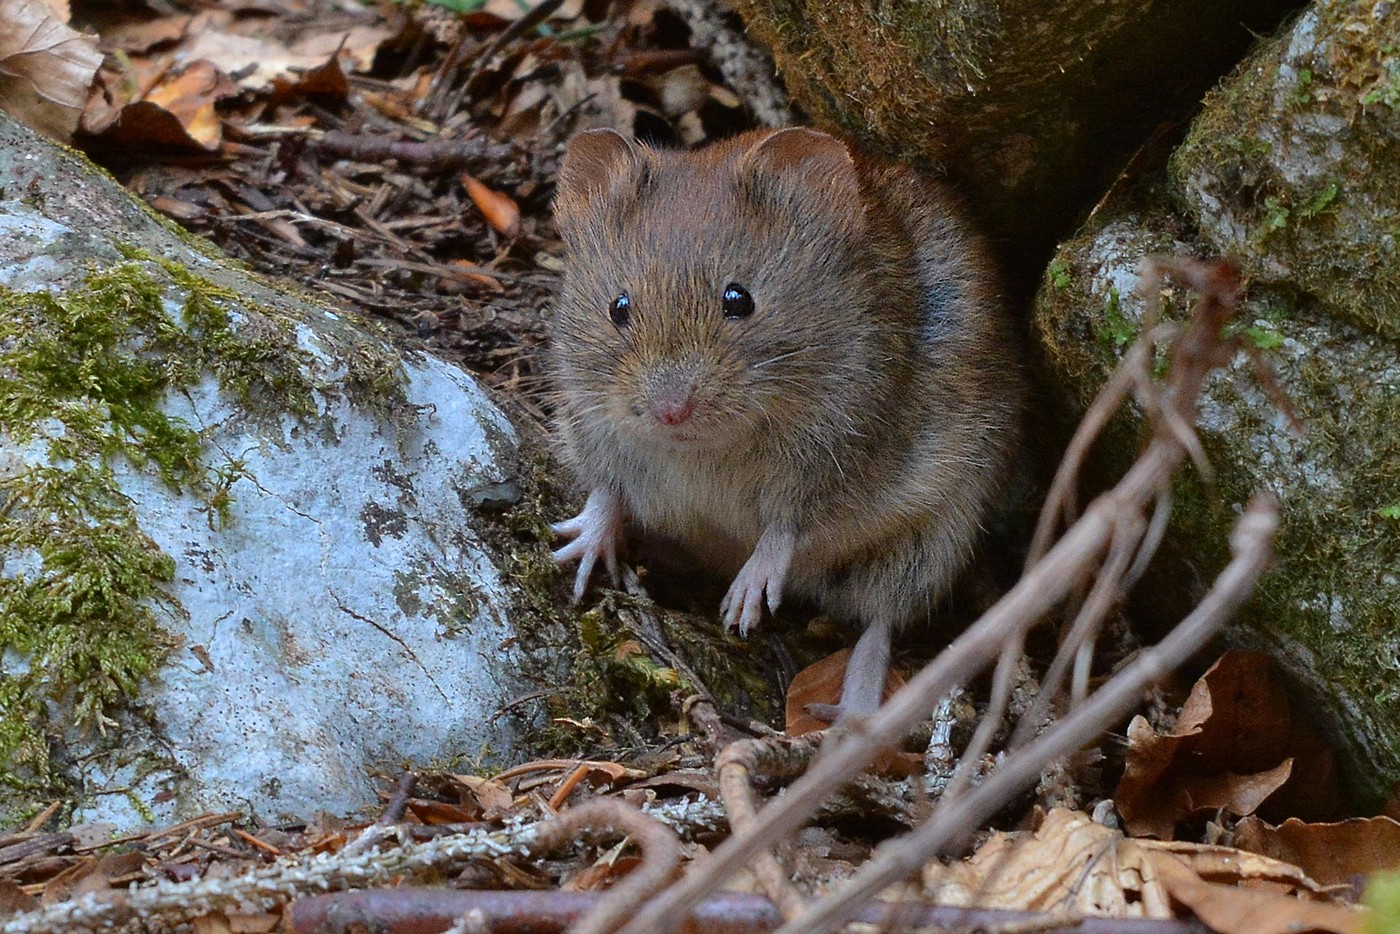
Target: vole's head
711, 295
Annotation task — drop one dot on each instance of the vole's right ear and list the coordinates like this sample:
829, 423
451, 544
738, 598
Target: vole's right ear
597, 165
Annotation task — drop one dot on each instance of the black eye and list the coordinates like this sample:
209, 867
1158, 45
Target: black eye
621, 310
738, 303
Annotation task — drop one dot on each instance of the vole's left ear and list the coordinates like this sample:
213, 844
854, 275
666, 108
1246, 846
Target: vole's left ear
597, 165
797, 161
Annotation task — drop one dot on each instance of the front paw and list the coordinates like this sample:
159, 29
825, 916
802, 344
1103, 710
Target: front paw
596, 533
760, 580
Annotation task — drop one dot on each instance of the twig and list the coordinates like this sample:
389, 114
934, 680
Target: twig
416, 910
436, 155
661, 854
1251, 545
737, 765
393, 813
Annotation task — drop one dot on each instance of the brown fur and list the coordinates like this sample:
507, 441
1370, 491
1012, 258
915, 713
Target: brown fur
869, 405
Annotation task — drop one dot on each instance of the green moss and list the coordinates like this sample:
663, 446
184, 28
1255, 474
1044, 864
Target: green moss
1383, 898
83, 379
1113, 328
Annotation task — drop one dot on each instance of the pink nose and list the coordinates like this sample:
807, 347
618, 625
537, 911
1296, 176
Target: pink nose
672, 407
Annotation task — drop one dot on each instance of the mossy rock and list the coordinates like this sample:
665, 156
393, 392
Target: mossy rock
1035, 106
1327, 612
239, 564
1293, 166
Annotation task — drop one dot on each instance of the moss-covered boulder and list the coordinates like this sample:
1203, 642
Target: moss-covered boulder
1292, 169
1036, 106
1294, 165
241, 565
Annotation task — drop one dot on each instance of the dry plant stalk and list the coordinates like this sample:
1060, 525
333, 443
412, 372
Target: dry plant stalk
1109, 544
661, 854
737, 764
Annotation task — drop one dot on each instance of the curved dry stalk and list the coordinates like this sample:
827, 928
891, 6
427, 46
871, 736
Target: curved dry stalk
1250, 543
736, 765
661, 854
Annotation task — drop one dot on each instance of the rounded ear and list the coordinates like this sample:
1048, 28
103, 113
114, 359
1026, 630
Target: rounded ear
595, 164
799, 159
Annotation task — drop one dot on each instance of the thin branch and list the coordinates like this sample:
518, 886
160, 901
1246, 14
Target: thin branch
1251, 544
661, 854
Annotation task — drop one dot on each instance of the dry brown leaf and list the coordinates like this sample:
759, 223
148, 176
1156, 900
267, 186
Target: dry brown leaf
190, 96
601, 875
1231, 909
139, 37
1236, 745
92, 874
1072, 864
1331, 853
820, 683
256, 62
1069, 863
1227, 865
500, 210
46, 68
494, 798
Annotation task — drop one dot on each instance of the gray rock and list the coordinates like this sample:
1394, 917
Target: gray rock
1327, 613
237, 502
1292, 165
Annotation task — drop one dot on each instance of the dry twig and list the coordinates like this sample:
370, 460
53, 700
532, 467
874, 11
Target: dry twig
661, 854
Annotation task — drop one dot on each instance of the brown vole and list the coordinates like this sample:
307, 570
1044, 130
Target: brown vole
790, 359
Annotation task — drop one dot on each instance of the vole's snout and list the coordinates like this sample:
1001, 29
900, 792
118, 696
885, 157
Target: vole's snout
672, 405
670, 394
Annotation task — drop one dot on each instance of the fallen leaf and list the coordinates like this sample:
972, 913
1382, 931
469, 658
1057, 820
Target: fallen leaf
1332, 853
500, 210
820, 683
140, 37
1237, 745
1230, 909
190, 96
1069, 863
46, 68
601, 875
14, 899
256, 62
492, 797
1072, 864
92, 874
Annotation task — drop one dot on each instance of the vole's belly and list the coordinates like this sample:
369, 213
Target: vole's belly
691, 504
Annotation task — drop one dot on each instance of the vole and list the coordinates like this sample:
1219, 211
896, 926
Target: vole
789, 358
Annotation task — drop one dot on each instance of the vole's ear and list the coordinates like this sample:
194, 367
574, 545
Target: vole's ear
798, 161
597, 164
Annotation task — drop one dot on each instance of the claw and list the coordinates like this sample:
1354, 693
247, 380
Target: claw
596, 532
760, 580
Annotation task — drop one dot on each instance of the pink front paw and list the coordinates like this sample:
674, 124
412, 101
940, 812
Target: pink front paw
596, 533
760, 580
